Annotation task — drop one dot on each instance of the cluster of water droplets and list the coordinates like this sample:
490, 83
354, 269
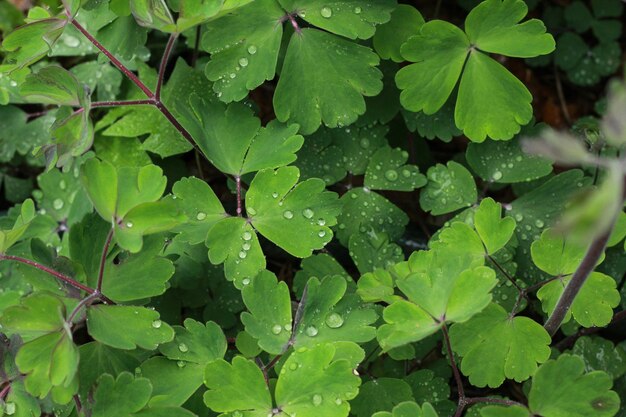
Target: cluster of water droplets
246, 245
327, 11
243, 62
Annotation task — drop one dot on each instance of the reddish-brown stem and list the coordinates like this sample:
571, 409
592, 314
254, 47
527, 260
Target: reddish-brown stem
103, 258
239, 203
50, 271
501, 401
5, 391
166, 56
57, 275
97, 104
272, 362
505, 273
112, 58
152, 97
295, 25
455, 369
196, 46
83, 303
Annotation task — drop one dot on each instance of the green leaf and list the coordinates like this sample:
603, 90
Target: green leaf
387, 171
234, 242
499, 411
269, 317
380, 215
330, 315
390, 36
295, 216
130, 277
196, 12
161, 372
337, 99
449, 188
493, 26
198, 201
376, 286
29, 43
233, 140
352, 19
495, 346
593, 306
601, 355
196, 342
494, 231
561, 388
505, 162
252, 35
127, 327
8, 237
409, 409
153, 14
37, 315
97, 359
236, 386
53, 85
438, 51
122, 396
555, 254
50, 362
382, 394
482, 112
318, 381
442, 286
373, 250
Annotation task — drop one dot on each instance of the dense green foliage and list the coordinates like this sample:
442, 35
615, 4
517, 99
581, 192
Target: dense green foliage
312, 208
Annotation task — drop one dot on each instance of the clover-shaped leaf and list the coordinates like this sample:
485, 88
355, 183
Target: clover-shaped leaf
601, 355
252, 35
442, 54
373, 250
234, 242
555, 254
387, 171
350, 73
441, 286
196, 342
495, 346
315, 381
494, 231
36, 315
580, 394
409, 409
127, 327
380, 395
449, 188
295, 216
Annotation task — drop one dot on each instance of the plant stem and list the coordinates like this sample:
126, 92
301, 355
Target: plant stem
272, 362
121, 103
196, 46
294, 23
83, 303
505, 273
103, 257
502, 401
5, 391
578, 280
58, 275
455, 369
153, 98
166, 56
50, 271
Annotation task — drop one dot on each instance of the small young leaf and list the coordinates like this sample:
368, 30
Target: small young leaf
409, 409
449, 188
494, 231
389, 37
387, 171
196, 342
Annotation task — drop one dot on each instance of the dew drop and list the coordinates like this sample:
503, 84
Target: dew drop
357, 10
57, 204
246, 236
62, 184
497, 175
243, 62
246, 281
293, 366
181, 364
129, 224
274, 195
317, 400
156, 324
406, 173
183, 347
252, 49
287, 214
277, 328
326, 12
391, 175
251, 211
365, 143
243, 254
245, 246
9, 408
308, 213
334, 321
321, 222
539, 223
321, 233
201, 215
311, 331
71, 41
